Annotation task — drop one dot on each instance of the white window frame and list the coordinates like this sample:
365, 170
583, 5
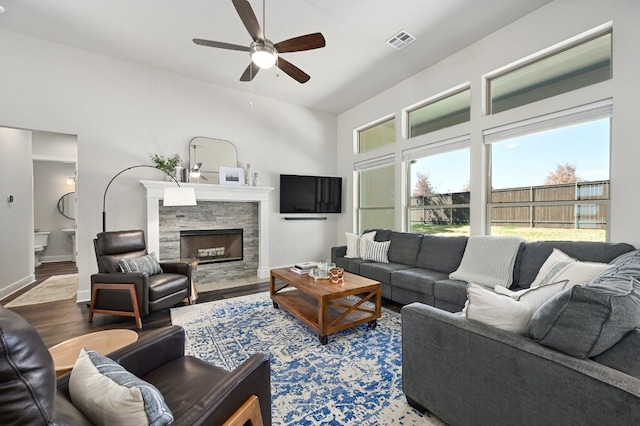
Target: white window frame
577, 115
441, 147
363, 166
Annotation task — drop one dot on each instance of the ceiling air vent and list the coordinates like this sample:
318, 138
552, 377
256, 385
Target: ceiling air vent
401, 40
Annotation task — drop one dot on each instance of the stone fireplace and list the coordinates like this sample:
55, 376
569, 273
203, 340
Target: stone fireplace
219, 207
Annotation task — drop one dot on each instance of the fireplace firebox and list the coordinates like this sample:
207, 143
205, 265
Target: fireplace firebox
211, 245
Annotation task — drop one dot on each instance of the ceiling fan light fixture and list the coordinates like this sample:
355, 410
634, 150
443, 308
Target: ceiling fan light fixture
263, 54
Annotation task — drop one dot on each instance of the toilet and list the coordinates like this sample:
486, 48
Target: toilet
40, 241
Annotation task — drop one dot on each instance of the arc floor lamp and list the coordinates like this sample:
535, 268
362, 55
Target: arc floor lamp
179, 196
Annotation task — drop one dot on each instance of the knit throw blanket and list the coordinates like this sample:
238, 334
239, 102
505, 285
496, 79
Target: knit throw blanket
488, 260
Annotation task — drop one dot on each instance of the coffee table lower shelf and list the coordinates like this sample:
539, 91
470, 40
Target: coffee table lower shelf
332, 316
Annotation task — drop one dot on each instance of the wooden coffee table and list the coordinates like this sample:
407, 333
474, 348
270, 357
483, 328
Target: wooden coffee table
65, 354
324, 306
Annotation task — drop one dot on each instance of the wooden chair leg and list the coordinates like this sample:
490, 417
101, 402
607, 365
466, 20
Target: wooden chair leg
248, 412
132, 294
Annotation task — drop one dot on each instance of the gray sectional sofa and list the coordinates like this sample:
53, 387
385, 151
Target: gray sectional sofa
468, 373
419, 265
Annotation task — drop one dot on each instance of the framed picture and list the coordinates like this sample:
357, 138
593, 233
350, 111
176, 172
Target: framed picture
231, 176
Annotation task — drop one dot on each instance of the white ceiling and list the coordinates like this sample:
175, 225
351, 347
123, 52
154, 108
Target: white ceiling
355, 65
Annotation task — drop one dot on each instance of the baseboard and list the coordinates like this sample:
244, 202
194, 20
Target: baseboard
18, 285
58, 258
84, 296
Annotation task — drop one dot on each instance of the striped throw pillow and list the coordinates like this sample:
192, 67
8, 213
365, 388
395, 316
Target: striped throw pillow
110, 395
377, 251
148, 264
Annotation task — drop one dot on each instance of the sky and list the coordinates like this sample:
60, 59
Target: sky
528, 160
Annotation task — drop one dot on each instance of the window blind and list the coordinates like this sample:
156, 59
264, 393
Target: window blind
582, 114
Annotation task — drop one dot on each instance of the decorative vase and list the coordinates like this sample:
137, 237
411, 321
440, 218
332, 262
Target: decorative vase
248, 176
178, 173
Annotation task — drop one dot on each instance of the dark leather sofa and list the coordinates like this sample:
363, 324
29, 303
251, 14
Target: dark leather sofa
197, 392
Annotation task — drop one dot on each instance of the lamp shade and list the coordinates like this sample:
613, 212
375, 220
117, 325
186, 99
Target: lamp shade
179, 196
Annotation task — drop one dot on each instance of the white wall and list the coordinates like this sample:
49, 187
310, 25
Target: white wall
16, 218
54, 146
122, 113
545, 27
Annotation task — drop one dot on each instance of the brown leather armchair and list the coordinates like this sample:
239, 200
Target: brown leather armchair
134, 294
196, 392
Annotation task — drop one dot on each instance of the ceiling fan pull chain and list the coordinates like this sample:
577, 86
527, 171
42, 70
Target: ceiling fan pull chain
251, 89
264, 19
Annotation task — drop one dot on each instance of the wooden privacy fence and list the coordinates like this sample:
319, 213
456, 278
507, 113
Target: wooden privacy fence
573, 205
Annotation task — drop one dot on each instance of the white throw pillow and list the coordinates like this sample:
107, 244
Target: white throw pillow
505, 309
377, 251
109, 395
356, 244
559, 266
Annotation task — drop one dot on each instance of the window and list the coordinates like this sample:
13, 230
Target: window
439, 194
376, 194
574, 67
444, 112
550, 176
377, 135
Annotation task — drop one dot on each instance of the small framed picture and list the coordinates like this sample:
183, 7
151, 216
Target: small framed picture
231, 176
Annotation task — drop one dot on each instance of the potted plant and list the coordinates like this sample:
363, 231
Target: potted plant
168, 164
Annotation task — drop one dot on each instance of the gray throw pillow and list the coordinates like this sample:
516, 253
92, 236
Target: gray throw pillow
627, 264
585, 321
146, 264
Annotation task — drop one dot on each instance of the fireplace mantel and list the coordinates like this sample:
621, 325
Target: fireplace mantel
206, 192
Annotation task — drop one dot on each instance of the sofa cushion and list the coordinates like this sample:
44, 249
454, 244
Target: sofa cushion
350, 265
559, 266
108, 394
27, 377
417, 279
377, 251
442, 254
585, 321
506, 310
451, 291
404, 247
380, 271
536, 253
617, 357
381, 234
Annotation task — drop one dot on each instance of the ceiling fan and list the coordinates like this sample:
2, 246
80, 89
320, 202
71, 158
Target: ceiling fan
263, 52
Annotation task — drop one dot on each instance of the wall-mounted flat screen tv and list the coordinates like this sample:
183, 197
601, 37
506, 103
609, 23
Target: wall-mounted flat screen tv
310, 194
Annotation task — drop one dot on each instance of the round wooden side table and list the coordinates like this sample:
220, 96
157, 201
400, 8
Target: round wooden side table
64, 354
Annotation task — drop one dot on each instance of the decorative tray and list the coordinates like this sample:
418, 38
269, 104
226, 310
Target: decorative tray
314, 274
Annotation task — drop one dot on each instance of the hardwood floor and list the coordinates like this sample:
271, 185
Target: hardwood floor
59, 321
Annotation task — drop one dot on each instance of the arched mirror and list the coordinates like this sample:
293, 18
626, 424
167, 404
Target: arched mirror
206, 155
67, 205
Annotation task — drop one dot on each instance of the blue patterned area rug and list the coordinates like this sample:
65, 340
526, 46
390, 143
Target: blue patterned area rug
353, 380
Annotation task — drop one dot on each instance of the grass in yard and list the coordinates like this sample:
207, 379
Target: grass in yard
529, 234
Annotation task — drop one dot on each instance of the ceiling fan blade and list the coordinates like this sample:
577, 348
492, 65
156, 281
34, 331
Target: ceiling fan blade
250, 72
298, 44
220, 45
249, 19
293, 71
